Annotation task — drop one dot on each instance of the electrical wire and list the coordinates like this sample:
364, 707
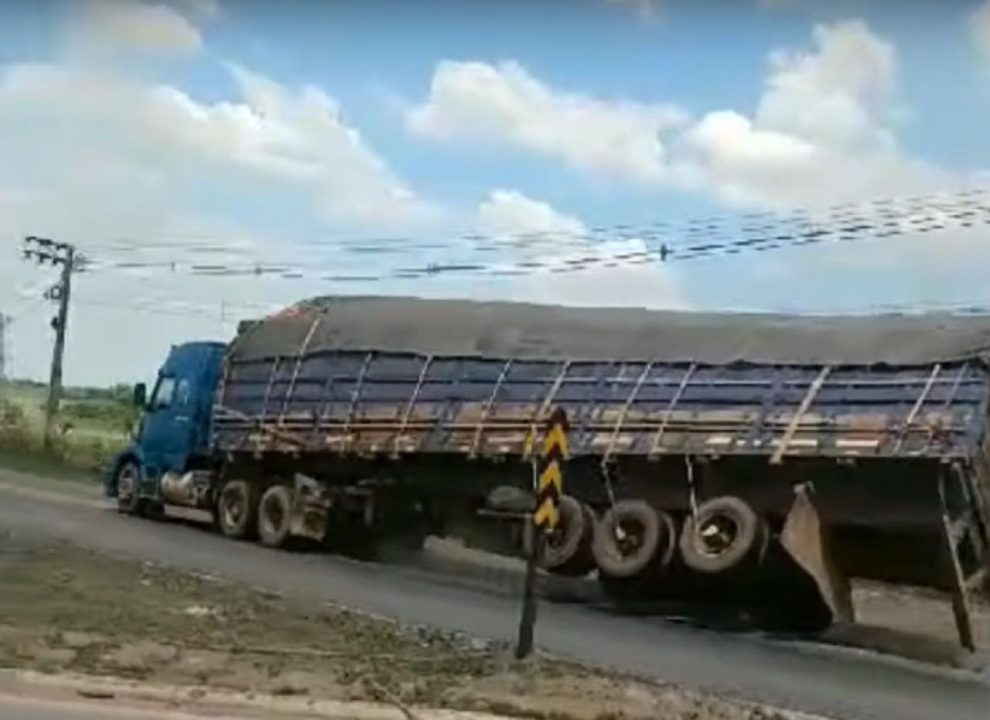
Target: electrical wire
706, 238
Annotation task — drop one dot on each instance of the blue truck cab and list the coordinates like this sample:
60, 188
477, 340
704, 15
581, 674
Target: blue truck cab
174, 430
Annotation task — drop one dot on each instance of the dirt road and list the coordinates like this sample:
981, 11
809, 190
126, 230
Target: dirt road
828, 681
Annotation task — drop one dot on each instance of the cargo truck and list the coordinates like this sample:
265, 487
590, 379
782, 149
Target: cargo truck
711, 455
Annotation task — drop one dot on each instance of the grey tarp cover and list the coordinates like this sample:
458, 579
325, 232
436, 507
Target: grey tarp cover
499, 329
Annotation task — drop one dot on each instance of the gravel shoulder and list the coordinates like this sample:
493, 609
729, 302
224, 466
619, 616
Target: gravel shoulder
76, 613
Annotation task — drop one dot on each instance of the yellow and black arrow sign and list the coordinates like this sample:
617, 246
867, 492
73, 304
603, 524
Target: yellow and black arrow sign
550, 481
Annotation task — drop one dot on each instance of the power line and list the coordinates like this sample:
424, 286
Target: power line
681, 238
700, 239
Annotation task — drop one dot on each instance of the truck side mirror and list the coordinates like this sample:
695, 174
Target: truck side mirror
140, 395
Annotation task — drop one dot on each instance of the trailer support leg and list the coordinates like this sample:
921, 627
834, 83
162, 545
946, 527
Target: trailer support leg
960, 598
953, 572
807, 540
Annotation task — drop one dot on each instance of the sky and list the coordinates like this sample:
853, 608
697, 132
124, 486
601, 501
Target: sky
161, 136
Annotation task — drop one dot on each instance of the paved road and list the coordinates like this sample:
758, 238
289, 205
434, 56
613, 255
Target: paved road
14, 708
840, 684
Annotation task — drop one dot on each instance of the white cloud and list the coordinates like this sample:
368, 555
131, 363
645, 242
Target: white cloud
505, 103
296, 139
509, 212
107, 25
980, 23
823, 130
646, 9
101, 161
775, 4
618, 272
203, 8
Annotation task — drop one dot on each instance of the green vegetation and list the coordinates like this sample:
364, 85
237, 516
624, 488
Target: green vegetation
93, 423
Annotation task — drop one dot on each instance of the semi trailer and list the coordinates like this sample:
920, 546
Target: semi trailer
712, 456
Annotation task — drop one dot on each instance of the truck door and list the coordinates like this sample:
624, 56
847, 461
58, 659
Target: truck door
168, 427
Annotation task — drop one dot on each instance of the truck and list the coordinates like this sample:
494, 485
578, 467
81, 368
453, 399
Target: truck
759, 459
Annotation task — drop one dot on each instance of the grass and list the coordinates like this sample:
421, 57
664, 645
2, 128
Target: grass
91, 426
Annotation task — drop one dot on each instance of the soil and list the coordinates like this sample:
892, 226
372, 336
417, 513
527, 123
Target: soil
67, 610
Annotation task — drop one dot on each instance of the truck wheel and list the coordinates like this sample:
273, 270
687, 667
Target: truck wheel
723, 535
567, 550
128, 492
274, 515
630, 537
236, 509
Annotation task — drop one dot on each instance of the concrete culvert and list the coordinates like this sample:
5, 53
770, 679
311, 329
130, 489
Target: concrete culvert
723, 535
236, 509
274, 516
631, 537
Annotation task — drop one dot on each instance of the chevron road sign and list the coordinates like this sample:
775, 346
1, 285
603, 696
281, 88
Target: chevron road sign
550, 482
549, 490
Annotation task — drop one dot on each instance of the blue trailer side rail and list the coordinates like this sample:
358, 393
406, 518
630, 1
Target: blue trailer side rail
395, 403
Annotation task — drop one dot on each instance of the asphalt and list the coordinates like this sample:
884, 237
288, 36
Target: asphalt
831, 682
13, 708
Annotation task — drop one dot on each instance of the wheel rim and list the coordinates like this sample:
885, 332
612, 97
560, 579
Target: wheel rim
233, 509
273, 516
716, 535
127, 483
629, 536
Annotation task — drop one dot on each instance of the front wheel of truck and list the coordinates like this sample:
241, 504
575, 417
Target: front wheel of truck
128, 479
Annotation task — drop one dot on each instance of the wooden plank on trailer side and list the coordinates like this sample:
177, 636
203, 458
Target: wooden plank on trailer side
544, 407
295, 372
625, 411
486, 410
407, 413
668, 413
792, 428
916, 408
355, 395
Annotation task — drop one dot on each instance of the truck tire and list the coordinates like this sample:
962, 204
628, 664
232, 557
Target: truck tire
724, 535
631, 537
127, 479
567, 550
274, 516
237, 509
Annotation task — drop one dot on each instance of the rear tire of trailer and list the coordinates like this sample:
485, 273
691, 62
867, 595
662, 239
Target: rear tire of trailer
724, 535
632, 538
274, 516
237, 509
568, 549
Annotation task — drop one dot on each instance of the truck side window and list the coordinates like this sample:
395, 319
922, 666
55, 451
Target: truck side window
163, 393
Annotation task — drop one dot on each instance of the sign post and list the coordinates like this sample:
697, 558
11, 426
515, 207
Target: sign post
549, 489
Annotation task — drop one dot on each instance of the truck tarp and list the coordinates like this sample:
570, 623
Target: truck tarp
502, 329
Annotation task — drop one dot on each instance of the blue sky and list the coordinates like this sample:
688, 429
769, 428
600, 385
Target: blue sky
149, 129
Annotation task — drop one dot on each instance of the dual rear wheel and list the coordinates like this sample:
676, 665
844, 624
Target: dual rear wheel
242, 515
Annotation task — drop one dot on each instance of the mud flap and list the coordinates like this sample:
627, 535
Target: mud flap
806, 538
310, 509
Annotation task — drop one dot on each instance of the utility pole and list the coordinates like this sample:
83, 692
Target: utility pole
5, 321
43, 250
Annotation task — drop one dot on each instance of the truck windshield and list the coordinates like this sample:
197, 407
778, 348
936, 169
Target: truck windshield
164, 391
